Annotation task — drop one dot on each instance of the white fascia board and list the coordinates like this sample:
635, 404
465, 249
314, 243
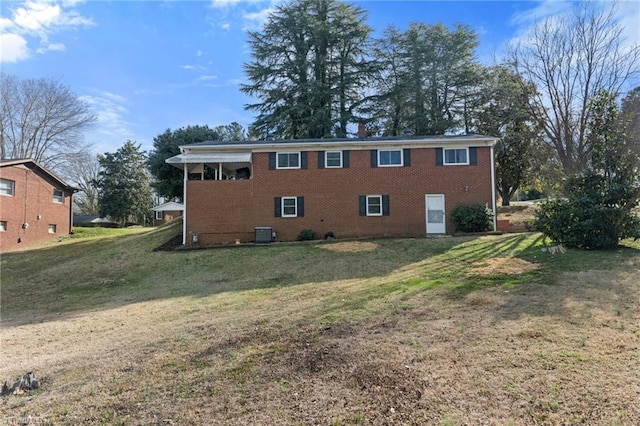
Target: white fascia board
356, 144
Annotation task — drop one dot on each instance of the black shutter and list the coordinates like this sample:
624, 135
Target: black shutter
278, 206
438, 156
406, 157
345, 159
272, 161
362, 205
385, 205
300, 205
473, 156
321, 159
374, 158
304, 160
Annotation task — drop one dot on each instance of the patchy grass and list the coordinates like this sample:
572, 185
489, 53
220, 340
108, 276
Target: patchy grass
517, 214
418, 331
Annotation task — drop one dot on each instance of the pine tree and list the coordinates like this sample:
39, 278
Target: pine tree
123, 183
308, 68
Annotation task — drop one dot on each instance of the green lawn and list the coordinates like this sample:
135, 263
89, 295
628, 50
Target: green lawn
383, 331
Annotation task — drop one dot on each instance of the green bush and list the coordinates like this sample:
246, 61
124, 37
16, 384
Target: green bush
307, 235
588, 217
472, 218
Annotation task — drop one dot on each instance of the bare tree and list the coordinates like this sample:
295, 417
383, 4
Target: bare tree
81, 170
41, 119
570, 59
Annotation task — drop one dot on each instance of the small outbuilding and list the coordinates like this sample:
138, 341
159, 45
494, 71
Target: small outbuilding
166, 212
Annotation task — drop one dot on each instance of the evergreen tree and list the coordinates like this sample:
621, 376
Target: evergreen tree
123, 184
169, 180
427, 74
308, 69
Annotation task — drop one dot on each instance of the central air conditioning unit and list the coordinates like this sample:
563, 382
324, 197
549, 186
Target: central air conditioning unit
264, 234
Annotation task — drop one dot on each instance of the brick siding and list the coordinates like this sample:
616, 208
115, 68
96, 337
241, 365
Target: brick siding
32, 203
169, 215
220, 212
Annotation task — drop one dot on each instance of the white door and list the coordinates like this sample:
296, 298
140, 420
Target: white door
436, 222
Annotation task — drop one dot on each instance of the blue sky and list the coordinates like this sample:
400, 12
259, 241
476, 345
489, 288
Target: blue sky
145, 66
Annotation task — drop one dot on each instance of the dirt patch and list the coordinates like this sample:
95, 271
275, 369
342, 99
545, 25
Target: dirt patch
518, 215
502, 266
350, 246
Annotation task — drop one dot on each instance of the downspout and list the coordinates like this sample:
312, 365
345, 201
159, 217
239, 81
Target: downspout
184, 201
493, 189
70, 213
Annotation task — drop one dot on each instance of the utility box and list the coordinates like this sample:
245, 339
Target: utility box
264, 234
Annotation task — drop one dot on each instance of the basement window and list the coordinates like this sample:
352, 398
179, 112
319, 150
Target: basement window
289, 206
3, 226
52, 228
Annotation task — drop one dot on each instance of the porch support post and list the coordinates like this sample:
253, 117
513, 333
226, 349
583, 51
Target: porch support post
184, 202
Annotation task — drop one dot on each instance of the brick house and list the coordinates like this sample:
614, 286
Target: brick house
35, 204
166, 212
398, 187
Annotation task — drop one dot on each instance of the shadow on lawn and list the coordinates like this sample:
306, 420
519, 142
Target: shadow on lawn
575, 283
65, 280
559, 285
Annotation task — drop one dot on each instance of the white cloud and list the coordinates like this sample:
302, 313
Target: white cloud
229, 83
189, 67
13, 48
545, 9
255, 20
5, 24
248, 14
35, 21
52, 47
200, 53
111, 111
36, 16
224, 3
626, 13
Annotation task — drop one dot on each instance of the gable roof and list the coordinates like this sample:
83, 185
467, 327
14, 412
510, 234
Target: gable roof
168, 207
32, 165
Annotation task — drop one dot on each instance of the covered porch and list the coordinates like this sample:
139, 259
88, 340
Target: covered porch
220, 166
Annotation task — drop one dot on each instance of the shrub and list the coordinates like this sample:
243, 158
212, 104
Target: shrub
307, 235
472, 218
589, 217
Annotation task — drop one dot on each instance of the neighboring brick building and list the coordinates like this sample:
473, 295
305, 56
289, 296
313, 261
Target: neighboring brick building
35, 204
166, 212
397, 187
